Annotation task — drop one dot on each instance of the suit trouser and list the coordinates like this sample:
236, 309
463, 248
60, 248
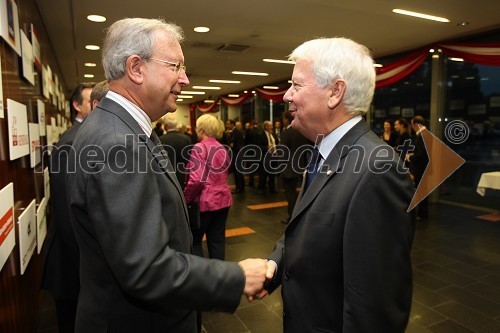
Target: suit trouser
66, 314
290, 187
213, 224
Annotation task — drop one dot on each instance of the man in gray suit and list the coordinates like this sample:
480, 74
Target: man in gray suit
344, 260
137, 273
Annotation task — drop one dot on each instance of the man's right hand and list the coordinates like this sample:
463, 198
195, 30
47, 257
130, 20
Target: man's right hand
256, 272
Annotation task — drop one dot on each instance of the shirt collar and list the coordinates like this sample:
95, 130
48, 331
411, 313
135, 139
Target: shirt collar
330, 141
136, 112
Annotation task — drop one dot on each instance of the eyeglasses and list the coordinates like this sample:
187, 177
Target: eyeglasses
177, 65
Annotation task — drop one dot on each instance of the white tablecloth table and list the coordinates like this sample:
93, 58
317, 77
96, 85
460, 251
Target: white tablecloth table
489, 180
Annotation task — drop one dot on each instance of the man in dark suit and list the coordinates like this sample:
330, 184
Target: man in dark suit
344, 260
297, 145
418, 162
267, 144
61, 258
137, 273
236, 142
253, 140
175, 144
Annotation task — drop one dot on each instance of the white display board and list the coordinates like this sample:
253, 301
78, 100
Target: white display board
46, 183
41, 116
41, 224
37, 55
9, 24
45, 82
19, 143
35, 147
27, 58
27, 235
7, 235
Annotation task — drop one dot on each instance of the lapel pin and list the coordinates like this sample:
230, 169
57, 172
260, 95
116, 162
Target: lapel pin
329, 173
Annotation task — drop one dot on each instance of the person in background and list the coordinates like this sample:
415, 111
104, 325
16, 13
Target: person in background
175, 145
418, 160
401, 127
296, 163
389, 136
236, 142
253, 137
277, 129
98, 92
159, 128
207, 185
137, 273
60, 276
268, 146
344, 261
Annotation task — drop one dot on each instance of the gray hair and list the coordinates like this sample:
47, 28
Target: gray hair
132, 36
170, 121
341, 58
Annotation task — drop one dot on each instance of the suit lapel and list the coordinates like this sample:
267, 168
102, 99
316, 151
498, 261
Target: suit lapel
159, 154
331, 166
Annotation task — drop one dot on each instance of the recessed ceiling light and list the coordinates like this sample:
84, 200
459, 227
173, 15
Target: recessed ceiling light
290, 81
456, 59
431, 50
96, 18
279, 61
88, 76
185, 96
92, 47
224, 81
206, 87
90, 64
208, 101
201, 29
193, 92
270, 87
377, 65
420, 15
249, 73
236, 95
463, 24
179, 99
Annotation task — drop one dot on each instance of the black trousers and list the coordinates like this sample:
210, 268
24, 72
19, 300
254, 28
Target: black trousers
66, 314
213, 224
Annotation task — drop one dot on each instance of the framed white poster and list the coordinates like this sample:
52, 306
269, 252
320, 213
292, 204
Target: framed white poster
7, 235
9, 28
27, 235
19, 143
36, 48
41, 224
27, 58
50, 139
41, 116
2, 114
46, 183
35, 148
45, 82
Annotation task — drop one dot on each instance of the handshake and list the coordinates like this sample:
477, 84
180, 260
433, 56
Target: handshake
257, 272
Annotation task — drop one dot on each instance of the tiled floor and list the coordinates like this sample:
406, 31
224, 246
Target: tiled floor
456, 261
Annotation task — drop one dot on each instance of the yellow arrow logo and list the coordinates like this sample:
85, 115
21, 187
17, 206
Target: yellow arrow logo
443, 162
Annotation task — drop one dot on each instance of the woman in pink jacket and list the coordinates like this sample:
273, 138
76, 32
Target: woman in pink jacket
208, 171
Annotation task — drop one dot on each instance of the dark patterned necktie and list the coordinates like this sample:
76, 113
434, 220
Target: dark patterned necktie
312, 167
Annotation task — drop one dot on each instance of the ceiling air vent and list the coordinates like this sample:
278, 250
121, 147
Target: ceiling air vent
233, 48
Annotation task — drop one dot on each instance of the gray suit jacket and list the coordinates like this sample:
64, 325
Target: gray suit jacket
344, 260
130, 221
